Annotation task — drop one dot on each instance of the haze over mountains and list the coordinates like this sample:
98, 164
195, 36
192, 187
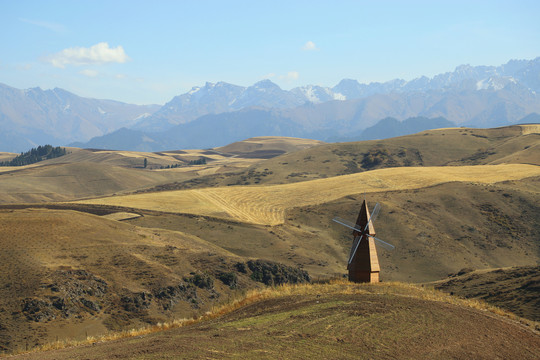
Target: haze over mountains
219, 113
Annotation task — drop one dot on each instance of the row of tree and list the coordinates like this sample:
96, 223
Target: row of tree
201, 161
35, 155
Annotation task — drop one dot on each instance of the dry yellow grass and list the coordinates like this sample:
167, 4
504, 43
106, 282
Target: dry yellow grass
269, 143
267, 205
334, 287
530, 129
119, 216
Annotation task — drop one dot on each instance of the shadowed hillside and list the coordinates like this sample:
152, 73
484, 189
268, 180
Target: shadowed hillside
66, 274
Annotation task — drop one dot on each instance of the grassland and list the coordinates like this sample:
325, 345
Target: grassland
5, 156
84, 173
66, 274
436, 230
451, 199
443, 147
514, 289
338, 320
267, 205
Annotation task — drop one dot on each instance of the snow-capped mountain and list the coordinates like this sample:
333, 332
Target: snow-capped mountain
222, 97
36, 117
463, 77
318, 94
217, 98
470, 95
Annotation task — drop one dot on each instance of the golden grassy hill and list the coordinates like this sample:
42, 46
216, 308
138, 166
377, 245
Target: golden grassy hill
437, 230
441, 219
6, 156
68, 274
338, 321
441, 147
90, 173
268, 144
267, 205
263, 147
60, 182
514, 289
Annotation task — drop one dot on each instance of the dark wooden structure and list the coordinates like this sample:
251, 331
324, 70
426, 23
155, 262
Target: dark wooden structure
364, 266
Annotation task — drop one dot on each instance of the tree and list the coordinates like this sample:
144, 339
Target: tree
145, 163
35, 155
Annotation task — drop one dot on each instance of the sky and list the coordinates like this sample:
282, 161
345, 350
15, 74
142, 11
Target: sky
147, 52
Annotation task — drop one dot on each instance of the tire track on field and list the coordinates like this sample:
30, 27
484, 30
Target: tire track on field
218, 201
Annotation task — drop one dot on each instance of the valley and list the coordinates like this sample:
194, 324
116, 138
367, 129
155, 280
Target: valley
95, 242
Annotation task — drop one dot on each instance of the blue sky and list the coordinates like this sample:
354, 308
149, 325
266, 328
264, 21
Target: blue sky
149, 51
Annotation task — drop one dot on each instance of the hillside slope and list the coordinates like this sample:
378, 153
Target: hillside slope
514, 289
442, 147
86, 173
347, 322
67, 274
267, 205
437, 230
60, 182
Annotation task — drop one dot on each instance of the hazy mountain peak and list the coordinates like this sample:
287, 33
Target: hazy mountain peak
266, 84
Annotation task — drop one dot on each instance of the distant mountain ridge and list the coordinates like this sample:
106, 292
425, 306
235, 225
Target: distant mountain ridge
34, 116
218, 113
390, 127
222, 97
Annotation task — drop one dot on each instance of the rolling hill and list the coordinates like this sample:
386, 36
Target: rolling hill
268, 205
67, 274
451, 199
514, 289
331, 321
449, 218
441, 147
84, 173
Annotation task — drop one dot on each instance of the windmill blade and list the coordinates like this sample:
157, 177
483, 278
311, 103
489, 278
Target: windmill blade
347, 223
384, 244
356, 243
373, 216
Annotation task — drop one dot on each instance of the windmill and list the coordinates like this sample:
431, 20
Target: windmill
363, 264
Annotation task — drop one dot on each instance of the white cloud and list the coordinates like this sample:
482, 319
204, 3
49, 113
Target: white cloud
89, 73
291, 75
98, 54
269, 76
310, 46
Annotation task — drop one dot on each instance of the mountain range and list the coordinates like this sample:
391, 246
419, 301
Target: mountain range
34, 116
219, 113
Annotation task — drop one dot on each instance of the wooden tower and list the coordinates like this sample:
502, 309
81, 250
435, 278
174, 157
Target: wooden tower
364, 265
